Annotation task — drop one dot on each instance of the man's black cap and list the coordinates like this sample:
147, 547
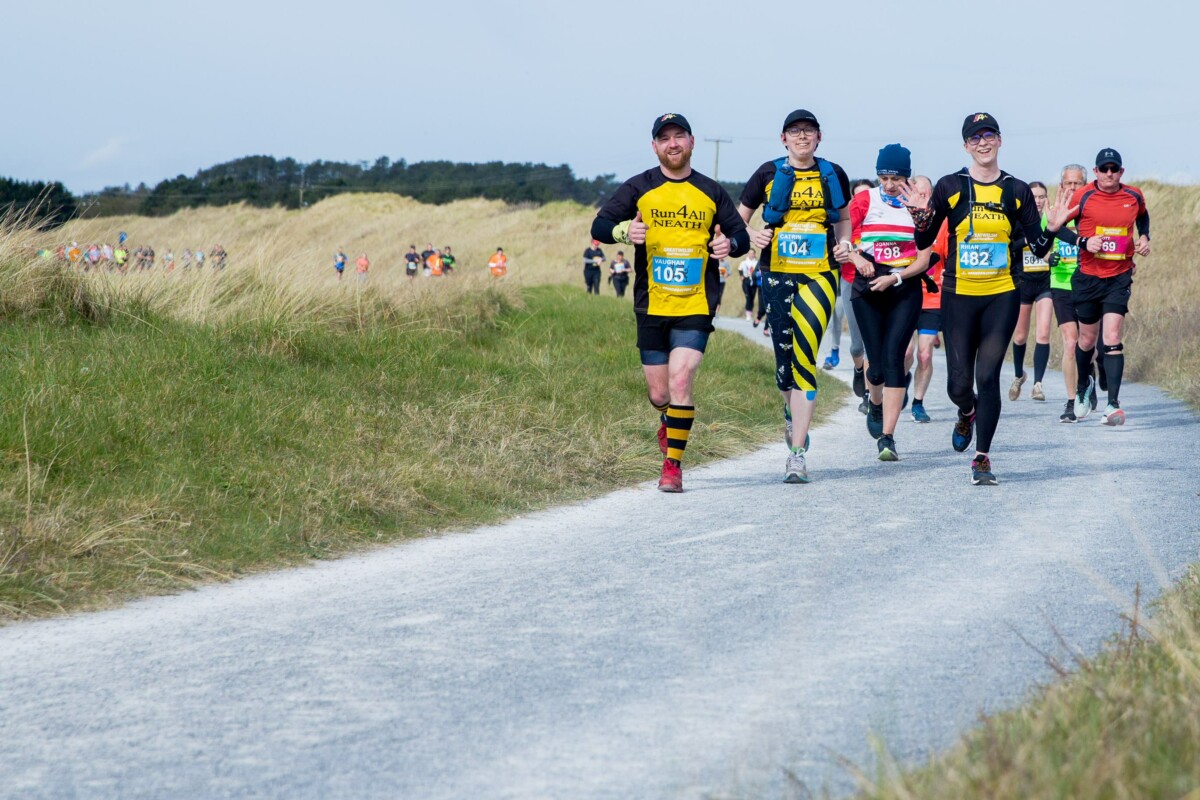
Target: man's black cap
982, 121
1108, 156
800, 115
670, 119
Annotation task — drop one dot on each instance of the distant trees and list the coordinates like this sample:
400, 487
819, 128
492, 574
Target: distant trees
266, 181
47, 204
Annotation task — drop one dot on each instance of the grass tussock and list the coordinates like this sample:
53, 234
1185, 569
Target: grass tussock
1125, 724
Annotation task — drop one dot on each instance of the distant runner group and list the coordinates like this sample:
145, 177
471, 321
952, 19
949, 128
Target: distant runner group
906, 262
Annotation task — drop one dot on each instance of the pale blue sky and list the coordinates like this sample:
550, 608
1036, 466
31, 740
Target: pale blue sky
128, 90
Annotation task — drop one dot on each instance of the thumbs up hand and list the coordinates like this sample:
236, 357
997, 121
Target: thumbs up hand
637, 230
720, 244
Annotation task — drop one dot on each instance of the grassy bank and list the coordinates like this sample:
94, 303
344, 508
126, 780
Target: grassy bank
143, 453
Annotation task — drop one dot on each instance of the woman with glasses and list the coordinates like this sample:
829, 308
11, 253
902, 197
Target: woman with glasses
987, 209
805, 214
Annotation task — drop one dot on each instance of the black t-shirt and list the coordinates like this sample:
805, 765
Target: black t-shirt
591, 253
807, 210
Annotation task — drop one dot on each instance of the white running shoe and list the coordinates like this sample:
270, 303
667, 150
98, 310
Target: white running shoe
796, 470
1113, 416
1014, 391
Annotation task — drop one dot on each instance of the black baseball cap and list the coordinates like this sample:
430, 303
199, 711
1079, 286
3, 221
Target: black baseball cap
800, 115
982, 121
1108, 156
669, 119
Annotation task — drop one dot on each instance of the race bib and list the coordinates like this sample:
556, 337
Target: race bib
983, 256
1115, 244
800, 245
678, 273
1031, 263
895, 254
1068, 252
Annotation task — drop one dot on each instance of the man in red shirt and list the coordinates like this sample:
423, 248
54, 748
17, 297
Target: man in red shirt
1113, 226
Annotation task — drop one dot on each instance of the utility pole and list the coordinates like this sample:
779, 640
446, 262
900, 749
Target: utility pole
302, 188
717, 158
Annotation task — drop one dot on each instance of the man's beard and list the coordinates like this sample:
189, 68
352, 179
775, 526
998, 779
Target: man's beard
675, 162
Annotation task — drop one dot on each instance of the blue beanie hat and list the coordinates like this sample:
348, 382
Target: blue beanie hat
894, 159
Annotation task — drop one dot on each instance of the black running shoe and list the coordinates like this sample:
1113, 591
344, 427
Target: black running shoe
866, 401
981, 472
1068, 414
963, 432
874, 419
887, 449
860, 383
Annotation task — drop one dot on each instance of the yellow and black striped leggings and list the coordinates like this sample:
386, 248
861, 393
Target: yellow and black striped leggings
798, 311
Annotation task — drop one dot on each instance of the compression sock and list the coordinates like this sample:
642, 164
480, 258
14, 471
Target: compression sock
1018, 359
1114, 367
1083, 363
1041, 357
679, 427
1101, 371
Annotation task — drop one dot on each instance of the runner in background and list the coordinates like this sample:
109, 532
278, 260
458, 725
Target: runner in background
498, 263
412, 261
746, 269
618, 273
1034, 286
448, 260
593, 259
843, 311
929, 323
1063, 263
363, 265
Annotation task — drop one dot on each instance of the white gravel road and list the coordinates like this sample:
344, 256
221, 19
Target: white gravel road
640, 645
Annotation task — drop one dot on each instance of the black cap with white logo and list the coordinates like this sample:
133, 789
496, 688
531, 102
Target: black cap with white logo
1108, 156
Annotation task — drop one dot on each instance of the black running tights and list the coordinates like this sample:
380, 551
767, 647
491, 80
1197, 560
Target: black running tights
977, 331
887, 320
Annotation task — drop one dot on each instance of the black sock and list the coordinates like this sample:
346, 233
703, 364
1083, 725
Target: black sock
1083, 363
1018, 359
1041, 357
1114, 366
1101, 372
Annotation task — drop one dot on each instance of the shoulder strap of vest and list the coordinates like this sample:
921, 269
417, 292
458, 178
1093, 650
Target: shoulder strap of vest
1008, 201
780, 200
963, 208
831, 189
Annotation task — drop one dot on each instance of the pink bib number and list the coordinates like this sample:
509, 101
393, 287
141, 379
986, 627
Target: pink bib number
1115, 244
895, 253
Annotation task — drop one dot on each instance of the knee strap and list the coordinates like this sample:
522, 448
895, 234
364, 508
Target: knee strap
1112, 348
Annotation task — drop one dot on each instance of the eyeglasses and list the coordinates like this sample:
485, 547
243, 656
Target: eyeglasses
1107, 168
983, 138
801, 133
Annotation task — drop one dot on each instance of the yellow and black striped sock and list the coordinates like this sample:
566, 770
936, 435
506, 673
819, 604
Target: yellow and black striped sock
662, 410
679, 428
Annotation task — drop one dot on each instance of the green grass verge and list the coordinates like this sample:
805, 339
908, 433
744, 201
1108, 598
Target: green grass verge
140, 456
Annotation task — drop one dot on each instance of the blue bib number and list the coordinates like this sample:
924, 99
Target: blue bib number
681, 272
1068, 252
800, 246
983, 256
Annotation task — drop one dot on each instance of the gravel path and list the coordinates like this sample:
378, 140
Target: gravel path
637, 645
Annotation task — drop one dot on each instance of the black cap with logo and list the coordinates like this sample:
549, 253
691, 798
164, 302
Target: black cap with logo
801, 115
1108, 156
670, 119
975, 123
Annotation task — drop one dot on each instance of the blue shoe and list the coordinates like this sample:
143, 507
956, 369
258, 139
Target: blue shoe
964, 431
874, 419
918, 412
832, 360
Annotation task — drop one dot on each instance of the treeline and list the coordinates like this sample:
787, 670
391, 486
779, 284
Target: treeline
42, 203
266, 181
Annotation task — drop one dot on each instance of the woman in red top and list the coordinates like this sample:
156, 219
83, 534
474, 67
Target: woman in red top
1109, 214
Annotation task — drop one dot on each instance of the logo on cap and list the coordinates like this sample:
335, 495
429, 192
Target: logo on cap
979, 117
666, 117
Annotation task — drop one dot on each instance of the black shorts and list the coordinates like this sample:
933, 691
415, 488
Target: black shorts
1094, 297
657, 336
1064, 306
1033, 287
930, 321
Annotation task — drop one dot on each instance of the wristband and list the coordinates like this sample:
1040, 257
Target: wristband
621, 232
899, 278
1082, 243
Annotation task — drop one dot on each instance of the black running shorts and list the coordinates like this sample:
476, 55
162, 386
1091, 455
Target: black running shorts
1094, 297
1034, 286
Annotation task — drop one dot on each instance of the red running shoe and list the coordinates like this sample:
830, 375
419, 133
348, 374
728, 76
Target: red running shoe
662, 438
672, 477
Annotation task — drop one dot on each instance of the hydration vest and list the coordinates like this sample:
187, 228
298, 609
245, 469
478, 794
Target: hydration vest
780, 201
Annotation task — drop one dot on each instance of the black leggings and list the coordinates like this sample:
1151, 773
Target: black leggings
749, 289
978, 330
887, 320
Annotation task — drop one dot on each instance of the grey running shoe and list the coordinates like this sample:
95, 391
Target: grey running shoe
1037, 393
887, 449
1014, 391
1085, 401
866, 401
796, 470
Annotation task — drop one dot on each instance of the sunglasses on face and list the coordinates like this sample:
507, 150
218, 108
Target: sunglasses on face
1107, 168
982, 138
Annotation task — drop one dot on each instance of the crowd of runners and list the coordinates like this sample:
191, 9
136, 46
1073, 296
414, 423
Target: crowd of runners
122, 258
906, 263
432, 262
